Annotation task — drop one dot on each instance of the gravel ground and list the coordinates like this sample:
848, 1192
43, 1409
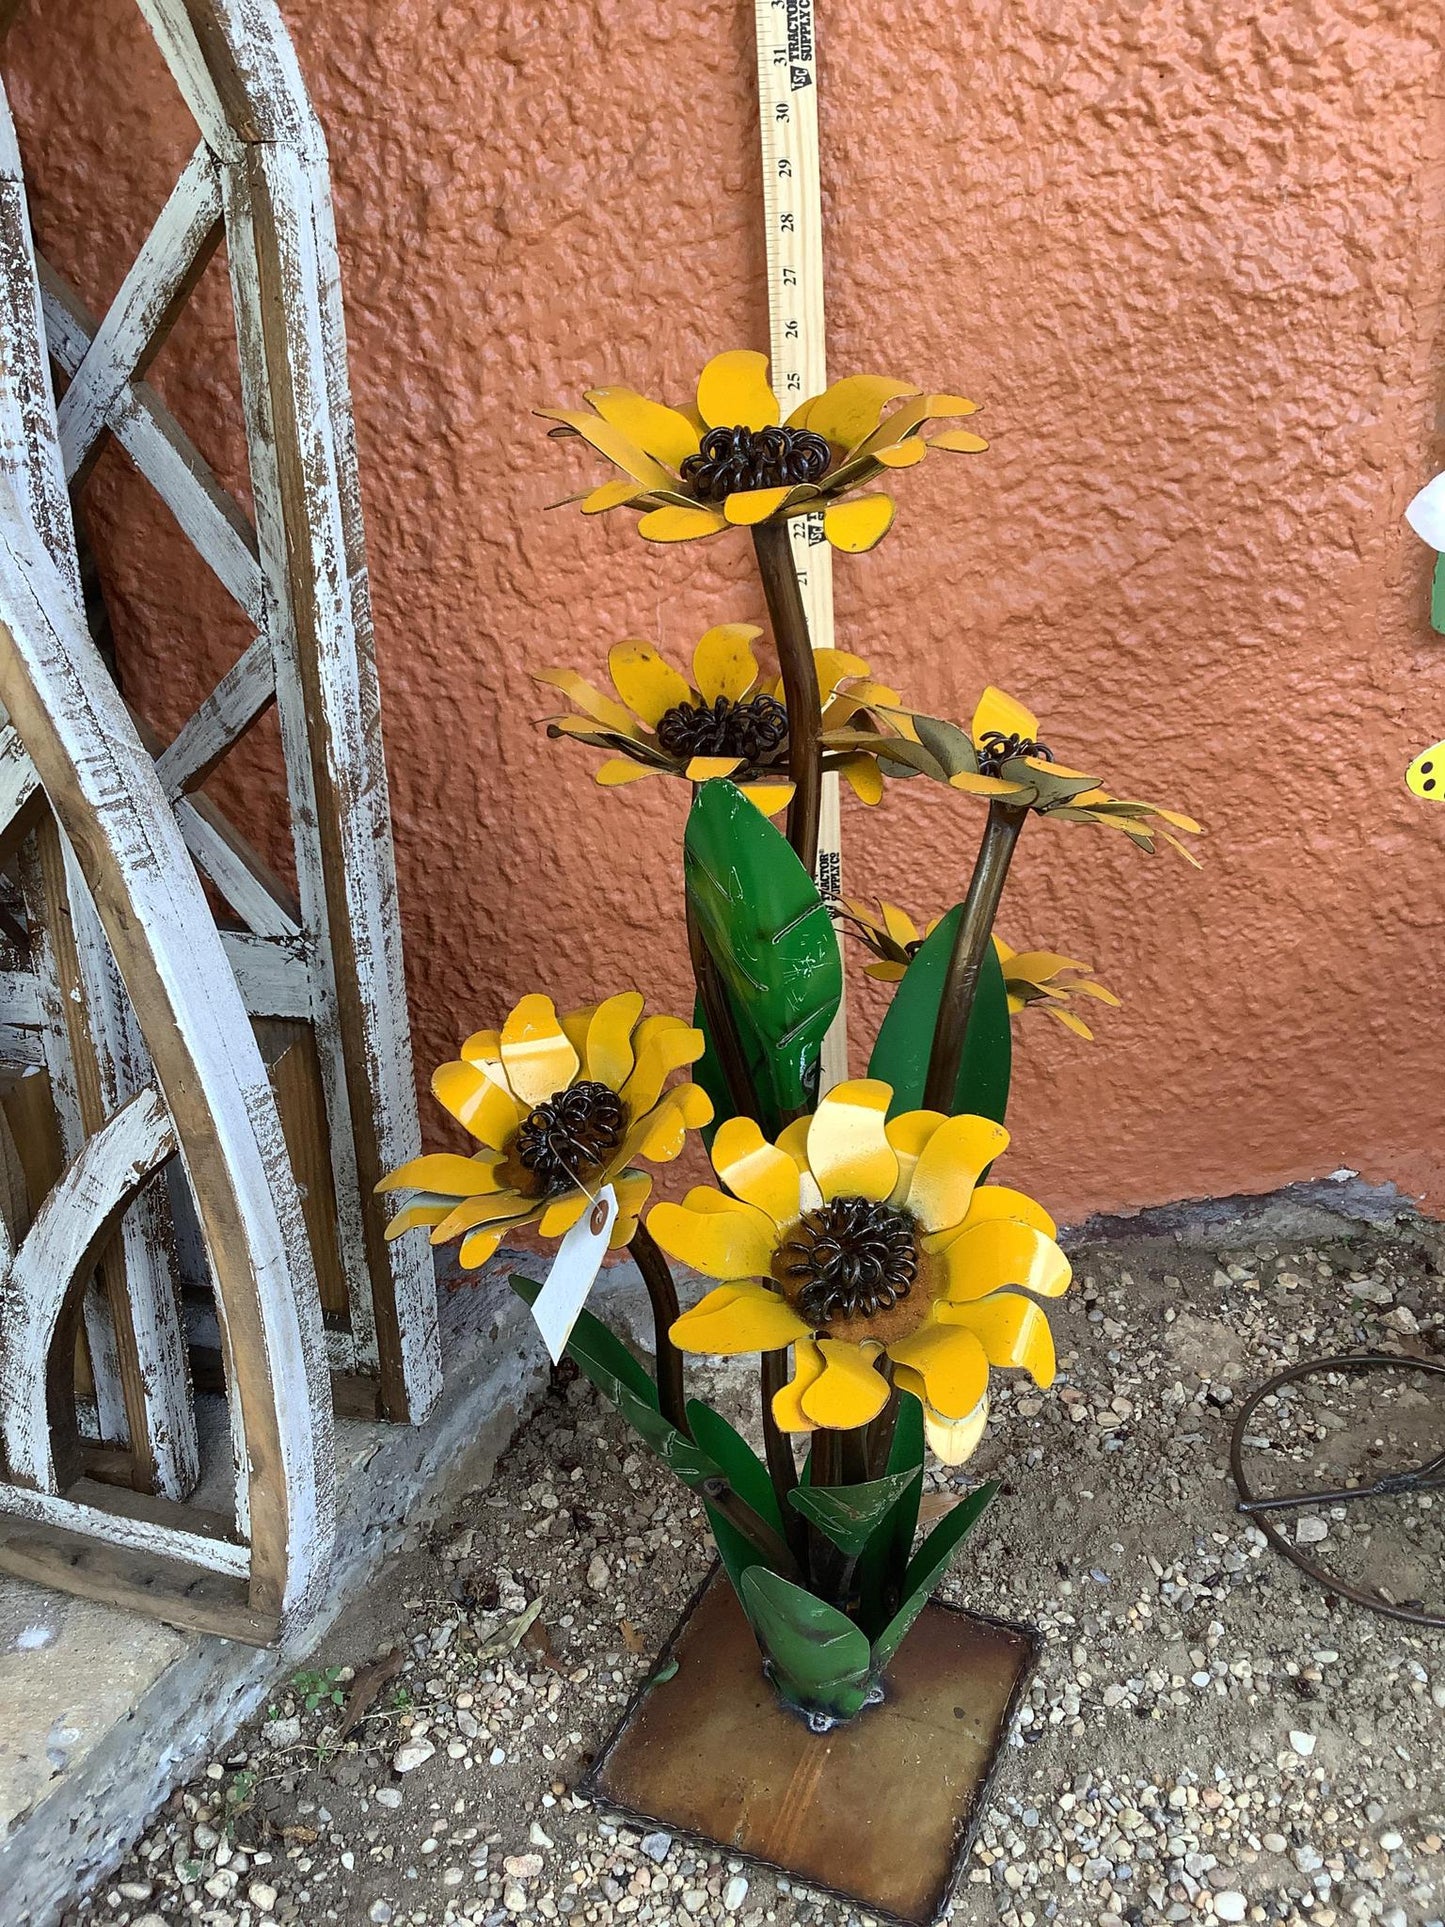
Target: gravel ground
1207, 1737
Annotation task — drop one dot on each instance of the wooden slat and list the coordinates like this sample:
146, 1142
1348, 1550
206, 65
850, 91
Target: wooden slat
102, 784
285, 280
170, 263
21, 1020
75, 1221
211, 520
271, 974
288, 1051
239, 700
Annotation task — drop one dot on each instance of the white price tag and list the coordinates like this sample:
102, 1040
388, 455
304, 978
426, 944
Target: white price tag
574, 1271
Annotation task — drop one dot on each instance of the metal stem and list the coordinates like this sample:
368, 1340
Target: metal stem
719, 1494
773, 547
975, 927
657, 1276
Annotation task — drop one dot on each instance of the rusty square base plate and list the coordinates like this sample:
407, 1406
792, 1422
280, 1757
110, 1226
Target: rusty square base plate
880, 1812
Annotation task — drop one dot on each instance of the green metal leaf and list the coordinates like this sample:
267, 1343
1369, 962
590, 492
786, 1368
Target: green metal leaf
770, 935
595, 1350
749, 1479
821, 1661
905, 1037
742, 1467
849, 1515
928, 1566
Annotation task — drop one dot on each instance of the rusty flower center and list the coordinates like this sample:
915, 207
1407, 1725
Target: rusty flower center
851, 1258
733, 460
573, 1130
995, 749
754, 728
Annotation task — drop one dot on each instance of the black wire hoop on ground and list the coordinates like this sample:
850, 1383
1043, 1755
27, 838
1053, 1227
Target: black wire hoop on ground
1390, 1485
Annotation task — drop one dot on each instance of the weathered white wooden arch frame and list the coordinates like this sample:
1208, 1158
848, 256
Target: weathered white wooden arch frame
170, 1078
322, 964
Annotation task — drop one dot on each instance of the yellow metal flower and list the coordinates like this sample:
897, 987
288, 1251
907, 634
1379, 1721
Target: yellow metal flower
1045, 980
860, 1241
560, 1106
731, 459
730, 720
1033, 978
1000, 757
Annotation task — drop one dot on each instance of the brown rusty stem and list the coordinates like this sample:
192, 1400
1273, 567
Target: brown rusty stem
975, 927
773, 546
720, 1495
657, 1276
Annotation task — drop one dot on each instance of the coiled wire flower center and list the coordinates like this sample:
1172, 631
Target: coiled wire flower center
995, 749
755, 728
733, 460
851, 1258
572, 1131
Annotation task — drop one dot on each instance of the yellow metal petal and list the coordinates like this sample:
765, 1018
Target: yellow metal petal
478, 1103
662, 1045
899, 925
768, 797
413, 1215
909, 1133
788, 1410
859, 524
608, 1051
992, 1201
949, 1167
702, 768
507, 1207
679, 525
562, 1213
723, 663
655, 428
733, 1243
849, 1391
755, 1170
1013, 1332
577, 689
1001, 712
444, 1172
793, 1138
661, 1135
618, 770
612, 443
834, 666
863, 777
848, 1149
746, 507
954, 1441
646, 683
960, 440
733, 391
1003, 1251
848, 410
538, 1057
950, 1361
903, 454
736, 1318
608, 495
478, 1249
909, 417
1071, 1022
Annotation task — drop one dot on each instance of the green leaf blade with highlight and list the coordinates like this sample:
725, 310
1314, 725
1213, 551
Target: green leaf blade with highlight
905, 1037
769, 934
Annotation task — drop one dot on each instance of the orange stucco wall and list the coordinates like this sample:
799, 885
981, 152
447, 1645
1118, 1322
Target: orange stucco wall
1189, 257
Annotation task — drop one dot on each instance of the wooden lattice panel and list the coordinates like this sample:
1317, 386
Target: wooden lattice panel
320, 968
124, 1014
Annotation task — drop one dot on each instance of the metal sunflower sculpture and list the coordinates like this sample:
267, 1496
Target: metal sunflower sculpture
856, 1241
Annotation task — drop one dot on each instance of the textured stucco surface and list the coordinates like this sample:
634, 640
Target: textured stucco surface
1190, 259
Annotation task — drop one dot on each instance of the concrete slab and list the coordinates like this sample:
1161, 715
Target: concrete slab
102, 1713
